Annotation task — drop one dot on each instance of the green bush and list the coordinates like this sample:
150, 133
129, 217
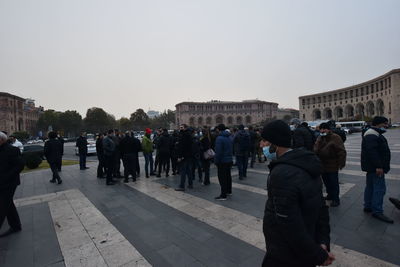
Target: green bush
32, 160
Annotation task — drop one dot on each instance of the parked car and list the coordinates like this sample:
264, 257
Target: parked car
34, 149
91, 148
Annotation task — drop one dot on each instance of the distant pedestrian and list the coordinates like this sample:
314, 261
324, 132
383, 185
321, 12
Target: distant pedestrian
61, 139
53, 154
11, 164
129, 146
101, 167
332, 153
375, 161
223, 160
109, 154
253, 146
207, 153
302, 135
242, 147
164, 146
185, 157
196, 149
81, 144
296, 219
116, 137
16, 143
147, 147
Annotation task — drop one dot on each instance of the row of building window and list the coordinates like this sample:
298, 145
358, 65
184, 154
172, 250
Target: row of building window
219, 119
369, 89
223, 107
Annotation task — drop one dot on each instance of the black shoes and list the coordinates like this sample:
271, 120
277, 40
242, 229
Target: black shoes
158, 175
395, 202
367, 210
9, 232
190, 186
179, 189
382, 218
110, 183
220, 198
53, 181
335, 203
59, 181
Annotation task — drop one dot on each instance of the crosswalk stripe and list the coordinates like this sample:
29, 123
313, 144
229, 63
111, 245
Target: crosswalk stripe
85, 236
392, 166
359, 150
235, 223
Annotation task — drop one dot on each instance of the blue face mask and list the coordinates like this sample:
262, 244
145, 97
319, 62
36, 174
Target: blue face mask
383, 129
269, 155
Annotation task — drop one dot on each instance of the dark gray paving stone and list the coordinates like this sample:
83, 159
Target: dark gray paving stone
175, 256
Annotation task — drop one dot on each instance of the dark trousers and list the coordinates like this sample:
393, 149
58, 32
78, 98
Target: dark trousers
163, 163
82, 160
197, 165
206, 169
253, 154
129, 161
137, 164
225, 178
186, 170
117, 164
148, 160
242, 162
101, 168
374, 192
109, 163
7, 208
331, 181
59, 164
174, 163
54, 170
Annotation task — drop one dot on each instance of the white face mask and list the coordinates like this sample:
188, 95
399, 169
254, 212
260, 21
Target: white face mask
323, 134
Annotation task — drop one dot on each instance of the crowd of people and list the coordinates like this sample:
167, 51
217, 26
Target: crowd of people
301, 160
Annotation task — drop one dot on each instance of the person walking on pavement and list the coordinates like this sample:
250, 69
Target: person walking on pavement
332, 153
206, 158
147, 147
375, 161
242, 145
81, 144
302, 135
164, 145
53, 154
185, 157
116, 137
11, 164
296, 219
253, 146
223, 160
129, 146
100, 156
109, 154
61, 139
197, 157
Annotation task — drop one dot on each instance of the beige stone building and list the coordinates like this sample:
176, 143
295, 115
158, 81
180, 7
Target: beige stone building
377, 97
18, 114
248, 112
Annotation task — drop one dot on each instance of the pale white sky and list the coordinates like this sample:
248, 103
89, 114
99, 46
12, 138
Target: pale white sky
127, 54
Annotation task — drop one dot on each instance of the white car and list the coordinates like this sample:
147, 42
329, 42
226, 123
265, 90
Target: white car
91, 148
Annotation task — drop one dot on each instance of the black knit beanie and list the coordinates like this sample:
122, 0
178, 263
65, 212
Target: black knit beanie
278, 133
378, 120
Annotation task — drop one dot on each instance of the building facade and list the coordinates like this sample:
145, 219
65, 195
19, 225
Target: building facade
377, 97
18, 114
248, 112
287, 113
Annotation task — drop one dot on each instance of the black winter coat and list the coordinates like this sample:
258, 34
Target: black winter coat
130, 145
53, 150
375, 151
164, 145
82, 143
296, 219
11, 164
185, 145
302, 137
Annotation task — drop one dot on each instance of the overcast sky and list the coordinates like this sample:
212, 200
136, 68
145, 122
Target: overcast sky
127, 54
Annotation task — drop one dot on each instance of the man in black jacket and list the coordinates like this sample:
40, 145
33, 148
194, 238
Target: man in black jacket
11, 164
164, 147
302, 136
109, 154
81, 144
101, 168
129, 147
375, 161
296, 219
185, 157
53, 154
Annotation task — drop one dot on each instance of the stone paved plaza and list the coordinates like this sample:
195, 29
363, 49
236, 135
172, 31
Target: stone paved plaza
85, 223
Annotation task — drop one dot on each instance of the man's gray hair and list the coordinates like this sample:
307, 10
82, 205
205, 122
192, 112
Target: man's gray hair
3, 136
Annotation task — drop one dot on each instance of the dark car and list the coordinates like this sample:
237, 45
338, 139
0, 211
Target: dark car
34, 149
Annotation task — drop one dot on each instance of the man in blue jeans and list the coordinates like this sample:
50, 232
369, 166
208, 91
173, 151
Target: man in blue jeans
375, 161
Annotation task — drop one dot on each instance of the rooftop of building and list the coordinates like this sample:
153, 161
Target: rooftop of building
356, 85
5, 94
225, 102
